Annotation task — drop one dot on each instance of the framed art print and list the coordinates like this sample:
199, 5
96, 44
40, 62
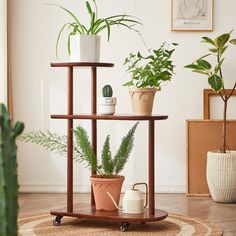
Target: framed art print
192, 15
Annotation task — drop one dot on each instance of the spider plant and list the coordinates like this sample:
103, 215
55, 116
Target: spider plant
96, 25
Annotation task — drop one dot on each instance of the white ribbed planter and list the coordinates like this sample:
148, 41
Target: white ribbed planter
221, 176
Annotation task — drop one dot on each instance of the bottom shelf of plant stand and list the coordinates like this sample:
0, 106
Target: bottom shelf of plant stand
86, 211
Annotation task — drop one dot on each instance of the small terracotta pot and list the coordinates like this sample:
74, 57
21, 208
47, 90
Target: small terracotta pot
142, 100
102, 185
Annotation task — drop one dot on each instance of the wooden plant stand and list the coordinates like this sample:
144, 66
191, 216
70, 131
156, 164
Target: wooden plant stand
88, 210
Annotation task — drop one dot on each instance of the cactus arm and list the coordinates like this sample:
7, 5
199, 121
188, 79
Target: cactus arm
8, 174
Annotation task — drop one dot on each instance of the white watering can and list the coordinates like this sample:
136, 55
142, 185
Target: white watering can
133, 201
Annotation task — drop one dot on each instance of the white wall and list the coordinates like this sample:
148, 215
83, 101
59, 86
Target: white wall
3, 51
40, 90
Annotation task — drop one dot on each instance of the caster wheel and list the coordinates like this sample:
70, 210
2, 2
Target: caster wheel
57, 221
124, 226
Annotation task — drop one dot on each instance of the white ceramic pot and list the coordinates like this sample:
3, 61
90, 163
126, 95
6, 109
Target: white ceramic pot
85, 48
221, 176
106, 105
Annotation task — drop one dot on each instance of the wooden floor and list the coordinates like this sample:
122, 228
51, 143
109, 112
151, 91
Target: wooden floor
201, 207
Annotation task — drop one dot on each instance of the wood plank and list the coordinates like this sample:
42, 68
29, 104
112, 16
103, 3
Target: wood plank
87, 211
81, 64
110, 117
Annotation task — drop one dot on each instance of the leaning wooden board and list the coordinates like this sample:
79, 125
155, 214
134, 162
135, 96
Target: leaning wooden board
204, 135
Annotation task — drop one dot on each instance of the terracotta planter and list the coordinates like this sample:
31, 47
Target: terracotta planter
221, 176
101, 186
142, 100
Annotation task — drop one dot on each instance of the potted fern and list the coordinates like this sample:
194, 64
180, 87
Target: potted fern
107, 177
148, 73
221, 164
84, 41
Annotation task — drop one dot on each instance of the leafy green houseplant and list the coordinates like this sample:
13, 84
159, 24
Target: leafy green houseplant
107, 103
107, 170
148, 73
224, 157
8, 173
86, 37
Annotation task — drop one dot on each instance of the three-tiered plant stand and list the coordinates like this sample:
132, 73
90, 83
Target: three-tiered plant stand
88, 210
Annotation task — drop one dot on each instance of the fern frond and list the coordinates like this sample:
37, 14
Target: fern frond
124, 150
50, 141
107, 162
89, 157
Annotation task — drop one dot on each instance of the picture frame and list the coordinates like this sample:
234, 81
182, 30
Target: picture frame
192, 15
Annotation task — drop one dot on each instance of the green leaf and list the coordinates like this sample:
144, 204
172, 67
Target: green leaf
204, 56
233, 41
215, 82
201, 72
204, 64
89, 8
107, 163
194, 67
214, 50
218, 66
223, 50
208, 40
221, 40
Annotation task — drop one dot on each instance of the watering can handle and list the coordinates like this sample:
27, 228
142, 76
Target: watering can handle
146, 186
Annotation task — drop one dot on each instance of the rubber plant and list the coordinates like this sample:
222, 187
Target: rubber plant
214, 72
96, 25
8, 173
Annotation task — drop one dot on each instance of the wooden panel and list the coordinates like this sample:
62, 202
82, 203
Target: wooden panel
207, 94
202, 136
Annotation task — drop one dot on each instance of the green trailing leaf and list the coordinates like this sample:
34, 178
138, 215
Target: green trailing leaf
215, 82
8, 173
221, 40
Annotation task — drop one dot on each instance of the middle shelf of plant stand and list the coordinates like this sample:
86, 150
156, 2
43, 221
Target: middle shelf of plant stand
109, 117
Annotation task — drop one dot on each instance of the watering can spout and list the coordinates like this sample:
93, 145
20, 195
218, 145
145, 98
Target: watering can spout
113, 200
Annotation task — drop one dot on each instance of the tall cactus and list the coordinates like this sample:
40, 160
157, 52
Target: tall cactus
107, 91
8, 173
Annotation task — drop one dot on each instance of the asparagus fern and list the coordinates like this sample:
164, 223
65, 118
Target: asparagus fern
109, 166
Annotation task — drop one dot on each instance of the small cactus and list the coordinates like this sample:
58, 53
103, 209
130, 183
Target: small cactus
8, 173
107, 91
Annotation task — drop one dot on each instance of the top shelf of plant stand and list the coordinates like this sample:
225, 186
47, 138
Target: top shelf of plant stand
81, 64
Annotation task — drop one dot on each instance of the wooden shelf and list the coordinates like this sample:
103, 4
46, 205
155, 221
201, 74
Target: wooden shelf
81, 64
109, 117
86, 211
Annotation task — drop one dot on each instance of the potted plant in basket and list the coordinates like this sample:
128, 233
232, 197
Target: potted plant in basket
147, 76
107, 178
84, 41
221, 164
